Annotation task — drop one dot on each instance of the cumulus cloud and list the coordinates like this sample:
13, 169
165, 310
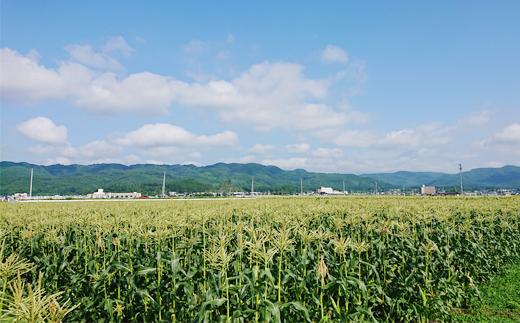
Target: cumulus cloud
164, 134
287, 163
401, 137
117, 45
162, 142
510, 134
505, 140
421, 136
23, 79
298, 148
43, 130
86, 55
261, 149
327, 152
477, 119
334, 54
355, 138
140, 92
98, 149
267, 95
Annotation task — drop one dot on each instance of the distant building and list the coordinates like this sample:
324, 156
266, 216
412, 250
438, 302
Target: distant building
20, 196
428, 190
100, 194
329, 191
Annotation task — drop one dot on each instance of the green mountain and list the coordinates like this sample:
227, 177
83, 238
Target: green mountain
147, 179
478, 178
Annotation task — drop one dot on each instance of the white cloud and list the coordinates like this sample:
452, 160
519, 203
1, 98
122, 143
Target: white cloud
355, 138
334, 54
159, 142
58, 160
247, 159
140, 92
267, 95
261, 149
403, 137
43, 130
24, 80
86, 55
287, 163
98, 149
163, 134
477, 119
510, 134
101, 60
327, 153
421, 136
298, 148
117, 45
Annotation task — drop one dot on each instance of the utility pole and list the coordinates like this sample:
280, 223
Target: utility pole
461, 186
164, 185
252, 185
30, 185
343, 187
301, 186
376, 188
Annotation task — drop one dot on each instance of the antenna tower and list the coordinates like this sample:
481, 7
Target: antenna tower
30, 185
164, 185
461, 186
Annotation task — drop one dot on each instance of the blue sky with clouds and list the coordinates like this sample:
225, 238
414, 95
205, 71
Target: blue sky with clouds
328, 86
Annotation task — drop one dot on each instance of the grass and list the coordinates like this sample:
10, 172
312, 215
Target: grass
500, 300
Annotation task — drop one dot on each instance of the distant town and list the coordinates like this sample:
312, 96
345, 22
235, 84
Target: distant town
100, 194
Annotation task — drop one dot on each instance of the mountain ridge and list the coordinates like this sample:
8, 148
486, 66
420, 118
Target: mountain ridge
147, 178
507, 176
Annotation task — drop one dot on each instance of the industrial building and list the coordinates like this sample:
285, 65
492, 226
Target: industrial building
329, 191
100, 194
428, 190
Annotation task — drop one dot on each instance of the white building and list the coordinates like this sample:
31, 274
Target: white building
428, 190
100, 194
329, 191
20, 196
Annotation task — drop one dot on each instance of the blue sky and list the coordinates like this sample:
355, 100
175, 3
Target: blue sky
328, 86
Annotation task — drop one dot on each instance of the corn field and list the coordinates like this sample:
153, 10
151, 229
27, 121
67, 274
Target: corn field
266, 259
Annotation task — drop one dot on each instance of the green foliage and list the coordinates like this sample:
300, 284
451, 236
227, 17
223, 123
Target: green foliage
503, 177
147, 179
500, 300
280, 259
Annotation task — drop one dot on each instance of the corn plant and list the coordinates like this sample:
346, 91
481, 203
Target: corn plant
268, 259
